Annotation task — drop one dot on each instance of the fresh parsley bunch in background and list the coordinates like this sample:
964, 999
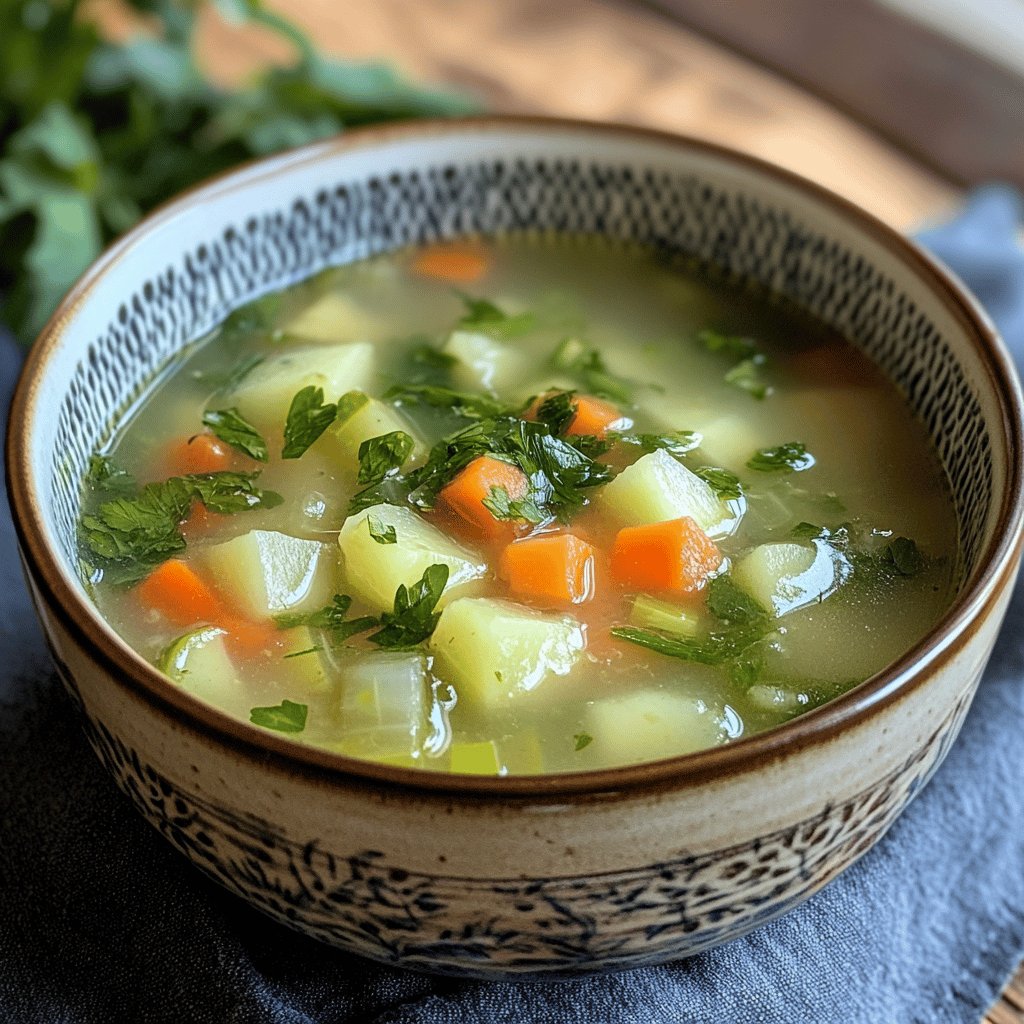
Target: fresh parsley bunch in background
93, 133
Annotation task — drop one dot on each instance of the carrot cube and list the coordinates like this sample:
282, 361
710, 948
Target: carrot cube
593, 416
556, 566
466, 493
458, 262
247, 640
202, 453
178, 592
675, 555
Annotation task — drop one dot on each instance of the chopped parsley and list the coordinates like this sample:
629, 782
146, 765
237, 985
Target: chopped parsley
284, 717
484, 316
730, 344
581, 740
382, 456
128, 536
332, 619
232, 428
460, 403
726, 485
348, 405
502, 507
104, 476
791, 457
747, 376
712, 649
677, 442
904, 555
575, 357
730, 604
308, 417
413, 618
382, 533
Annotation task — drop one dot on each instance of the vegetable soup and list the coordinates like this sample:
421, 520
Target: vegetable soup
519, 507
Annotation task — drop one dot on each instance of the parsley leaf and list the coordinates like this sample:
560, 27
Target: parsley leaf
330, 619
502, 507
712, 649
730, 604
484, 316
677, 442
413, 618
284, 717
103, 475
233, 429
382, 533
791, 457
586, 364
904, 555
382, 456
746, 376
349, 404
308, 417
730, 344
557, 410
127, 536
725, 484
459, 403
581, 740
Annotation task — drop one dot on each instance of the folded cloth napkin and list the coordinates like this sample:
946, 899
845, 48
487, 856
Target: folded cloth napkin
101, 921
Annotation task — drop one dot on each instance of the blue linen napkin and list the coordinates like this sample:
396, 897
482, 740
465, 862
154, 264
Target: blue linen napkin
101, 921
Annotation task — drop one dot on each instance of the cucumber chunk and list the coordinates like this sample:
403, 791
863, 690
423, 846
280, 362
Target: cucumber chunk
384, 705
264, 573
371, 419
783, 577
265, 394
657, 488
333, 317
495, 653
651, 613
483, 362
199, 662
653, 724
302, 668
375, 571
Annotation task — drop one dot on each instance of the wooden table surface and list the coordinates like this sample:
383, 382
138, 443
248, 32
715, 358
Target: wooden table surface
614, 61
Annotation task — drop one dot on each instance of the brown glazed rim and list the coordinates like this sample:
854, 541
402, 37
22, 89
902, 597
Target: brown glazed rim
997, 563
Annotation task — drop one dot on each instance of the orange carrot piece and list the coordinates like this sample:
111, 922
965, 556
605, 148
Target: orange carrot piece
247, 640
593, 417
202, 453
557, 566
466, 493
178, 592
675, 555
200, 521
458, 262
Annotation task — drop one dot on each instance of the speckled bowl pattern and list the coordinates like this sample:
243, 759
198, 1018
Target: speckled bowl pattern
493, 877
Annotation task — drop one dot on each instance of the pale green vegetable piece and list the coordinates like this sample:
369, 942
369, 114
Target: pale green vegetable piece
334, 317
729, 440
372, 419
302, 667
652, 724
375, 571
483, 362
785, 576
496, 653
475, 758
651, 613
383, 709
657, 488
264, 573
199, 662
265, 394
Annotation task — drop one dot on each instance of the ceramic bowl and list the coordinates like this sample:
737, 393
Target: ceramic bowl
491, 877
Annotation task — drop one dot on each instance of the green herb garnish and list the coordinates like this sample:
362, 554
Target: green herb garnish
128, 536
730, 344
331, 619
746, 376
730, 604
308, 650
308, 417
792, 457
382, 456
581, 740
726, 485
904, 555
557, 410
484, 316
413, 618
103, 475
502, 507
233, 429
382, 533
349, 404
712, 649
587, 365
284, 717
677, 443
459, 403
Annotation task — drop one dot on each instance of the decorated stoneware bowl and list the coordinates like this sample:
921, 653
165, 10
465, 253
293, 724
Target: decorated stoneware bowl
488, 876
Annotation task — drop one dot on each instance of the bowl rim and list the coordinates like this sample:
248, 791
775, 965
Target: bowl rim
996, 567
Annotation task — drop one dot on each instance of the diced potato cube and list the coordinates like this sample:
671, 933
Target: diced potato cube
375, 571
385, 703
496, 653
785, 576
263, 573
729, 440
371, 419
265, 394
199, 662
484, 363
302, 666
657, 488
480, 758
651, 613
651, 724
333, 317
